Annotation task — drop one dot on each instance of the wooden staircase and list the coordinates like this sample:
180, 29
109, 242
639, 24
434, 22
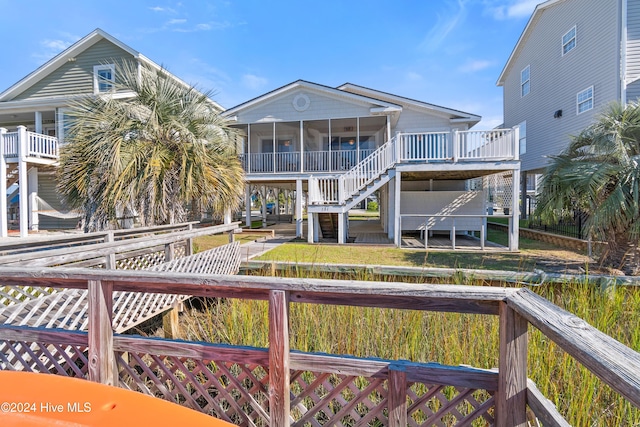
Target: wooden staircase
328, 223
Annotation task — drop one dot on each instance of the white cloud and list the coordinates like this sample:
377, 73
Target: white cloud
444, 25
474, 65
514, 9
52, 47
177, 21
254, 82
412, 76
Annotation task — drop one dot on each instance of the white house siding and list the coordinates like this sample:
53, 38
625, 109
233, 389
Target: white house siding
633, 50
413, 120
555, 80
320, 107
76, 77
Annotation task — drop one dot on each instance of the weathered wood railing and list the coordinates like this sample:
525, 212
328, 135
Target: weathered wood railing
277, 386
118, 246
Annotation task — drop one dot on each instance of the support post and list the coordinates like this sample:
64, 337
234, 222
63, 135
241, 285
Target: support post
102, 363
514, 224
397, 398
32, 189
311, 227
110, 257
391, 204
169, 252
279, 376
342, 227
263, 194
171, 322
188, 248
397, 232
247, 206
22, 181
4, 223
298, 208
511, 398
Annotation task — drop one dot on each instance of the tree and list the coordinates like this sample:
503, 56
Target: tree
599, 173
154, 153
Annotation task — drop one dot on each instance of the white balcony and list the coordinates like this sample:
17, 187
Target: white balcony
30, 146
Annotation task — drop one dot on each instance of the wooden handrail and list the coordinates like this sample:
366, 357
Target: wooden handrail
617, 365
613, 362
80, 253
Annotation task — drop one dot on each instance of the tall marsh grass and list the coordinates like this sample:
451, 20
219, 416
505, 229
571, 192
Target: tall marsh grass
448, 338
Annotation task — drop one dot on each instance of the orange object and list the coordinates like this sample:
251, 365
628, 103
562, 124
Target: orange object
29, 399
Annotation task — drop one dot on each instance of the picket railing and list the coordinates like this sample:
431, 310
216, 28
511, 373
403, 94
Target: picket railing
29, 144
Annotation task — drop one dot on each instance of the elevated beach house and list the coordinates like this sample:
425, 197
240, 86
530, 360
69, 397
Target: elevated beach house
573, 59
33, 123
339, 146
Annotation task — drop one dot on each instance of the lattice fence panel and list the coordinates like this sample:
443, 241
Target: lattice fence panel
234, 392
141, 262
224, 259
499, 189
41, 357
437, 405
322, 399
10, 295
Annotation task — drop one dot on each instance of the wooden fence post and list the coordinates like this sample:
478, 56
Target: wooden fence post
169, 252
397, 398
102, 363
279, 376
188, 250
511, 398
110, 257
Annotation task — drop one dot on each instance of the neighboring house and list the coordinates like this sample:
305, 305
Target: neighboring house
573, 59
33, 113
340, 145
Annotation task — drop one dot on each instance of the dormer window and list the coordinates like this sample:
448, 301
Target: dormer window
569, 41
104, 77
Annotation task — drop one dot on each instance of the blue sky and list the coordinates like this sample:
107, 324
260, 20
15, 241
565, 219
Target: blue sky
446, 52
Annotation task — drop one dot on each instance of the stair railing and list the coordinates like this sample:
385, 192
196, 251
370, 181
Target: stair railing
367, 171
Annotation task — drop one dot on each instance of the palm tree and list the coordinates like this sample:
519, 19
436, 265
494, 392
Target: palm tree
599, 173
153, 153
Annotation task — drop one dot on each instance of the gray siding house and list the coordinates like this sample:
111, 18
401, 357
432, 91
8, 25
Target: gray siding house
33, 122
573, 59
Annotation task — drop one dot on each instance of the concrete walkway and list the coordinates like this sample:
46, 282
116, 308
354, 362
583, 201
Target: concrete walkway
284, 232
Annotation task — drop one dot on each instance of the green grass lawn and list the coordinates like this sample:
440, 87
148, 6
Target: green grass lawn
533, 254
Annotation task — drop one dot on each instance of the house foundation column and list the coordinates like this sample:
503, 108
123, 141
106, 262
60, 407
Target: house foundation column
22, 181
32, 187
514, 223
391, 206
4, 227
298, 208
397, 233
247, 205
312, 237
342, 227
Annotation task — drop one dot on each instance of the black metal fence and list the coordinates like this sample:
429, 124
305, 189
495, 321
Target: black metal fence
572, 227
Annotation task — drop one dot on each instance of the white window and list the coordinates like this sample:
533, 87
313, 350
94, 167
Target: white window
104, 77
584, 100
525, 81
523, 137
569, 41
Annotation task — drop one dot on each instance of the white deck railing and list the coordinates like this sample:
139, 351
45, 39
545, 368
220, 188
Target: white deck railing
35, 145
423, 147
314, 161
